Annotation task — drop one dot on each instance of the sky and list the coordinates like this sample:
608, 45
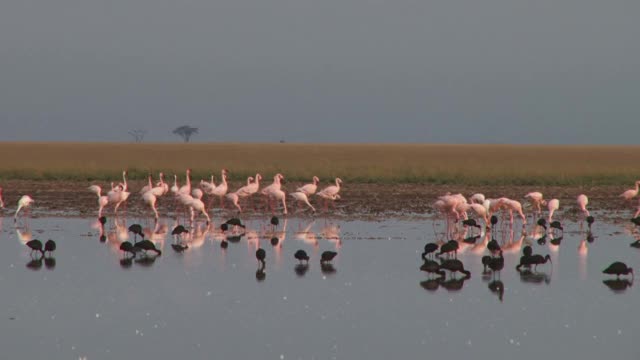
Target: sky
425, 71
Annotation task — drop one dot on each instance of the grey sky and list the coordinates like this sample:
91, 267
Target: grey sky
482, 71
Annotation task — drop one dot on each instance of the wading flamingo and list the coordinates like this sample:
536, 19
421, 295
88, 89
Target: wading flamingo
186, 188
553, 205
302, 197
271, 189
24, 202
309, 189
330, 192
582, 204
221, 190
103, 200
1, 200
536, 200
631, 193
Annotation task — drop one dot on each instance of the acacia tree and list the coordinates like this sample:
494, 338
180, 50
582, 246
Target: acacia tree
185, 132
138, 134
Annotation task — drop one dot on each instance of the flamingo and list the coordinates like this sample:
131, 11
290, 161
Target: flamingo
222, 188
196, 204
186, 188
553, 205
536, 200
103, 200
330, 192
630, 194
24, 202
582, 204
118, 196
477, 198
1, 200
274, 187
175, 187
279, 195
480, 210
513, 205
150, 199
147, 187
309, 189
301, 196
234, 197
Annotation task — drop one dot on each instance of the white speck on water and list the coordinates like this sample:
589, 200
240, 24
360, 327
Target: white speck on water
281, 356
511, 341
595, 337
148, 314
446, 323
209, 293
323, 317
11, 266
524, 333
468, 342
73, 347
450, 300
324, 277
306, 307
566, 326
53, 317
155, 326
233, 265
284, 298
137, 331
97, 316
619, 332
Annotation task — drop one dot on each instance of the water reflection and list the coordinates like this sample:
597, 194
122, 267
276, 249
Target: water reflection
497, 287
453, 284
301, 269
50, 262
618, 286
35, 264
327, 268
531, 277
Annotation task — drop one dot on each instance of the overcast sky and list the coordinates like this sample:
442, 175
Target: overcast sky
477, 71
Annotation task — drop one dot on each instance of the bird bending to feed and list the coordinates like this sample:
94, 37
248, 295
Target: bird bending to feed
536, 200
147, 245
429, 248
35, 245
449, 246
553, 205
301, 255
327, 256
582, 201
49, 246
127, 247
24, 202
179, 230
103, 200
136, 229
535, 260
618, 268
454, 265
331, 192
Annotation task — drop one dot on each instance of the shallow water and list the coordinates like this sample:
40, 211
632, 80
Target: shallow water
208, 302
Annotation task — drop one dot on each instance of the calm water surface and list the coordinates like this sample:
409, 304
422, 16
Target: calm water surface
375, 303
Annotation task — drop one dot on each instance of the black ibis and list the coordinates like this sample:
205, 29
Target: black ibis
454, 265
590, 221
275, 241
618, 268
136, 229
527, 250
493, 220
127, 247
493, 246
235, 222
179, 248
486, 260
449, 246
556, 225
260, 255
497, 263
224, 244
275, 222
429, 248
35, 245
327, 256
542, 223
179, 230
146, 245
49, 246
470, 222
636, 220
301, 255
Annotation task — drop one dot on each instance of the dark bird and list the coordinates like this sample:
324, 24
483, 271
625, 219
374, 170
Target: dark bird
493, 246
235, 222
327, 256
301, 255
534, 260
275, 241
636, 221
556, 225
224, 244
493, 220
449, 246
35, 245
146, 245
618, 268
470, 222
636, 244
428, 249
136, 229
527, 250
102, 220
542, 223
432, 267
224, 227
590, 221
275, 221
497, 263
454, 265
127, 247
260, 255
179, 230
452, 284
49, 246
301, 269
260, 274
179, 248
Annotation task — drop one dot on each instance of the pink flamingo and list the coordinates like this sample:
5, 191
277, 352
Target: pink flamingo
103, 200
196, 204
553, 205
309, 189
234, 197
1, 200
147, 187
208, 187
175, 188
150, 199
582, 204
275, 186
536, 200
222, 188
118, 196
279, 195
330, 192
186, 188
630, 194
513, 205
477, 198
302, 197
24, 202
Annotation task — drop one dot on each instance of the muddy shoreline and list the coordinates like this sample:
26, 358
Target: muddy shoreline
359, 201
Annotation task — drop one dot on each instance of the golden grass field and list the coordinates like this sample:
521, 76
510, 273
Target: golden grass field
405, 163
